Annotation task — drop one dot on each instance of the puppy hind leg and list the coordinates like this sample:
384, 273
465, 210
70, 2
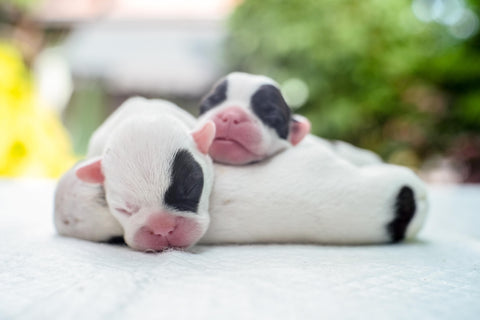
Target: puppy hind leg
405, 207
405, 201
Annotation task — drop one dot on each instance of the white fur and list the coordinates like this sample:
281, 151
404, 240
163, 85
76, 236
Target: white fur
309, 194
79, 210
136, 106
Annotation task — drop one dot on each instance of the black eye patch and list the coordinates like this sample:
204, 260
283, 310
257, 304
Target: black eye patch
214, 97
268, 104
186, 185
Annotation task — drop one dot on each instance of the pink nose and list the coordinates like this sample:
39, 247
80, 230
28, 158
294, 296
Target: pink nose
161, 224
233, 115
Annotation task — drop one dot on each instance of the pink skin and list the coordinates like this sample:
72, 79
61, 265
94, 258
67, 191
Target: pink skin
91, 171
204, 136
164, 230
238, 138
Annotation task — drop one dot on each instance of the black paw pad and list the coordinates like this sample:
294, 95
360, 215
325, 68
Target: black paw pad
404, 211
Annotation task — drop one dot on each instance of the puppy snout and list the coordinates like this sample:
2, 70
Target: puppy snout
233, 116
161, 224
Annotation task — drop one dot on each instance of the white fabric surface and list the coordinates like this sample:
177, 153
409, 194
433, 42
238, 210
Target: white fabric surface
45, 276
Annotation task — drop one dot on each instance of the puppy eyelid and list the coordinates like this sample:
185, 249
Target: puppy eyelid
130, 209
124, 211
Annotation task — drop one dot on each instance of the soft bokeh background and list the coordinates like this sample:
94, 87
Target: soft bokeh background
401, 78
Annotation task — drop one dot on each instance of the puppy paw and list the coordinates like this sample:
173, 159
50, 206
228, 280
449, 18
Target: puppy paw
404, 211
409, 212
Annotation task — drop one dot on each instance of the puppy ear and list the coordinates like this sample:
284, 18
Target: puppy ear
299, 128
204, 135
91, 171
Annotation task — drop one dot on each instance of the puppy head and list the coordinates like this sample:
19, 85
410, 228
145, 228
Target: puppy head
157, 179
253, 120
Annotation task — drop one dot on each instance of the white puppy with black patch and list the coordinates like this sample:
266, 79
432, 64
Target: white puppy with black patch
254, 122
151, 167
304, 194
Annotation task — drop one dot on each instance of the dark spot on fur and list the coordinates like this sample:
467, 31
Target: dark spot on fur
186, 185
404, 211
268, 104
214, 97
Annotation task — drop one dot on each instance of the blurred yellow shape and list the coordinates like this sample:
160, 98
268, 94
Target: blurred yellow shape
33, 142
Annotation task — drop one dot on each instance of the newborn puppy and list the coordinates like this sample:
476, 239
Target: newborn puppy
309, 194
254, 122
305, 194
155, 174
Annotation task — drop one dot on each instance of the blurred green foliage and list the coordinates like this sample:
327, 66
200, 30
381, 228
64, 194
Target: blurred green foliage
88, 109
10, 10
377, 76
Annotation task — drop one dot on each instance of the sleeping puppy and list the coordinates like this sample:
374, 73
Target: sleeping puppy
254, 122
286, 198
147, 177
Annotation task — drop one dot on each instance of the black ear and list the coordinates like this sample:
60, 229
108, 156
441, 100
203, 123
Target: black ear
216, 96
268, 104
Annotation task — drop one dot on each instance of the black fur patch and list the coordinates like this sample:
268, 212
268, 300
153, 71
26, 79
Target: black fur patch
404, 211
186, 186
269, 105
214, 97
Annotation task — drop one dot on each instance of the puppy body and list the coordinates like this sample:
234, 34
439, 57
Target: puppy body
355, 155
309, 194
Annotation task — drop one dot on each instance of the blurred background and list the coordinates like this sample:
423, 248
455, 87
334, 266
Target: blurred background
401, 78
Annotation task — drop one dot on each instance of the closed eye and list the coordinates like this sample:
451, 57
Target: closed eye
124, 211
131, 209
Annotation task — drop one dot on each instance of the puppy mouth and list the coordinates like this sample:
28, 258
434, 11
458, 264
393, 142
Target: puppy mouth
185, 234
161, 243
224, 141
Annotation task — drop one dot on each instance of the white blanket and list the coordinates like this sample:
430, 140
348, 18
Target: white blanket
45, 276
